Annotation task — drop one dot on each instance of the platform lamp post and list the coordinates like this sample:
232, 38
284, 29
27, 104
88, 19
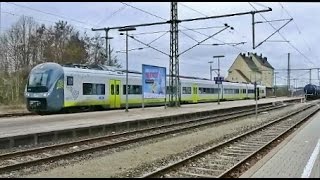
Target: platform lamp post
126, 30
220, 56
210, 62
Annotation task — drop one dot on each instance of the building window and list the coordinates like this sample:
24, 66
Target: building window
69, 80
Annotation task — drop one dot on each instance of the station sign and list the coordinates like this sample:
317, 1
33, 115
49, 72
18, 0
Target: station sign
219, 79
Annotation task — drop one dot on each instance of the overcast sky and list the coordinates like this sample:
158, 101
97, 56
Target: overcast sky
302, 32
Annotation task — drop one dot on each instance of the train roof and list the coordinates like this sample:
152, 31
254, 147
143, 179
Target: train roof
113, 71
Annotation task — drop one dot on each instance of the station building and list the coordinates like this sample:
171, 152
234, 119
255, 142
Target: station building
250, 68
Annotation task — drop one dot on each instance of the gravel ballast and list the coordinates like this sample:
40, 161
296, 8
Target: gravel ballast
123, 163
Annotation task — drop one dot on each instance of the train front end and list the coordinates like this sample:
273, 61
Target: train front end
44, 90
310, 91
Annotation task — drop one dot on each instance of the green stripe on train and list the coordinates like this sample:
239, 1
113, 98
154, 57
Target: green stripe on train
150, 101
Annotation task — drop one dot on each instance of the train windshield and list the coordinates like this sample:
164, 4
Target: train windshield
38, 82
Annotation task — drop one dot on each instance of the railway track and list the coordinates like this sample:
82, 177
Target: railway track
17, 114
35, 156
224, 159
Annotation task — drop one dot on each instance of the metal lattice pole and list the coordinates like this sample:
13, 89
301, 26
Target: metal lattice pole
174, 81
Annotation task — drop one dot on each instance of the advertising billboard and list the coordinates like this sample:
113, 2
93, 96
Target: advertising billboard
153, 81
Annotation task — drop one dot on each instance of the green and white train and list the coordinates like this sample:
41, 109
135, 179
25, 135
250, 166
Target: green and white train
52, 88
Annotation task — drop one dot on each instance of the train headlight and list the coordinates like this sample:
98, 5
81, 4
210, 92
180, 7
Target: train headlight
45, 94
27, 94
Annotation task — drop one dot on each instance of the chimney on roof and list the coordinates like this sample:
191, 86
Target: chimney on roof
260, 55
264, 59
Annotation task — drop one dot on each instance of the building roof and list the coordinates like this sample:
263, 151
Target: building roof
244, 76
262, 60
250, 62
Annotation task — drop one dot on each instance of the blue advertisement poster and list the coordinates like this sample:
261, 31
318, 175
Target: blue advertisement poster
153, 81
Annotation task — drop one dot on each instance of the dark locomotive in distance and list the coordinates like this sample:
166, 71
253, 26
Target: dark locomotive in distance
312, 91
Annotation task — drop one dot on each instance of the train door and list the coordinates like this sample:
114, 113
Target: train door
194, 93
114, 95
240, 93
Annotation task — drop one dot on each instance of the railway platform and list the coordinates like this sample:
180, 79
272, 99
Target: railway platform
16, 131
296, 157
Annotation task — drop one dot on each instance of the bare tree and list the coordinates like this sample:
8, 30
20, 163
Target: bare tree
28, 43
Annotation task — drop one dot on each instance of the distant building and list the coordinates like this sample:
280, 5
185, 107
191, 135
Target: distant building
247, 69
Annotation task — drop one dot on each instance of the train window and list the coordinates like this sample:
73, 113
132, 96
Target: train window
200, 90
100, 89
231, 91
93, 89
87, 88
244, 91
117, 89
112, 89
186, 90
169, 89
70, 80
124, 89
132, 89
135, 89
216, 90
209, 90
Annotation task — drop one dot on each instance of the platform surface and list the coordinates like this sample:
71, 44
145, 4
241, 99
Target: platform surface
15, 126
297, 156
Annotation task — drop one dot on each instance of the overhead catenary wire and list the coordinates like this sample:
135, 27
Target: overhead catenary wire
190, 37
112, 14
300, 75
49, 13
43, 20
179, 24
158, 37
259, 4
144, 11
297, 27
284, 38
156, 32
188, 7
